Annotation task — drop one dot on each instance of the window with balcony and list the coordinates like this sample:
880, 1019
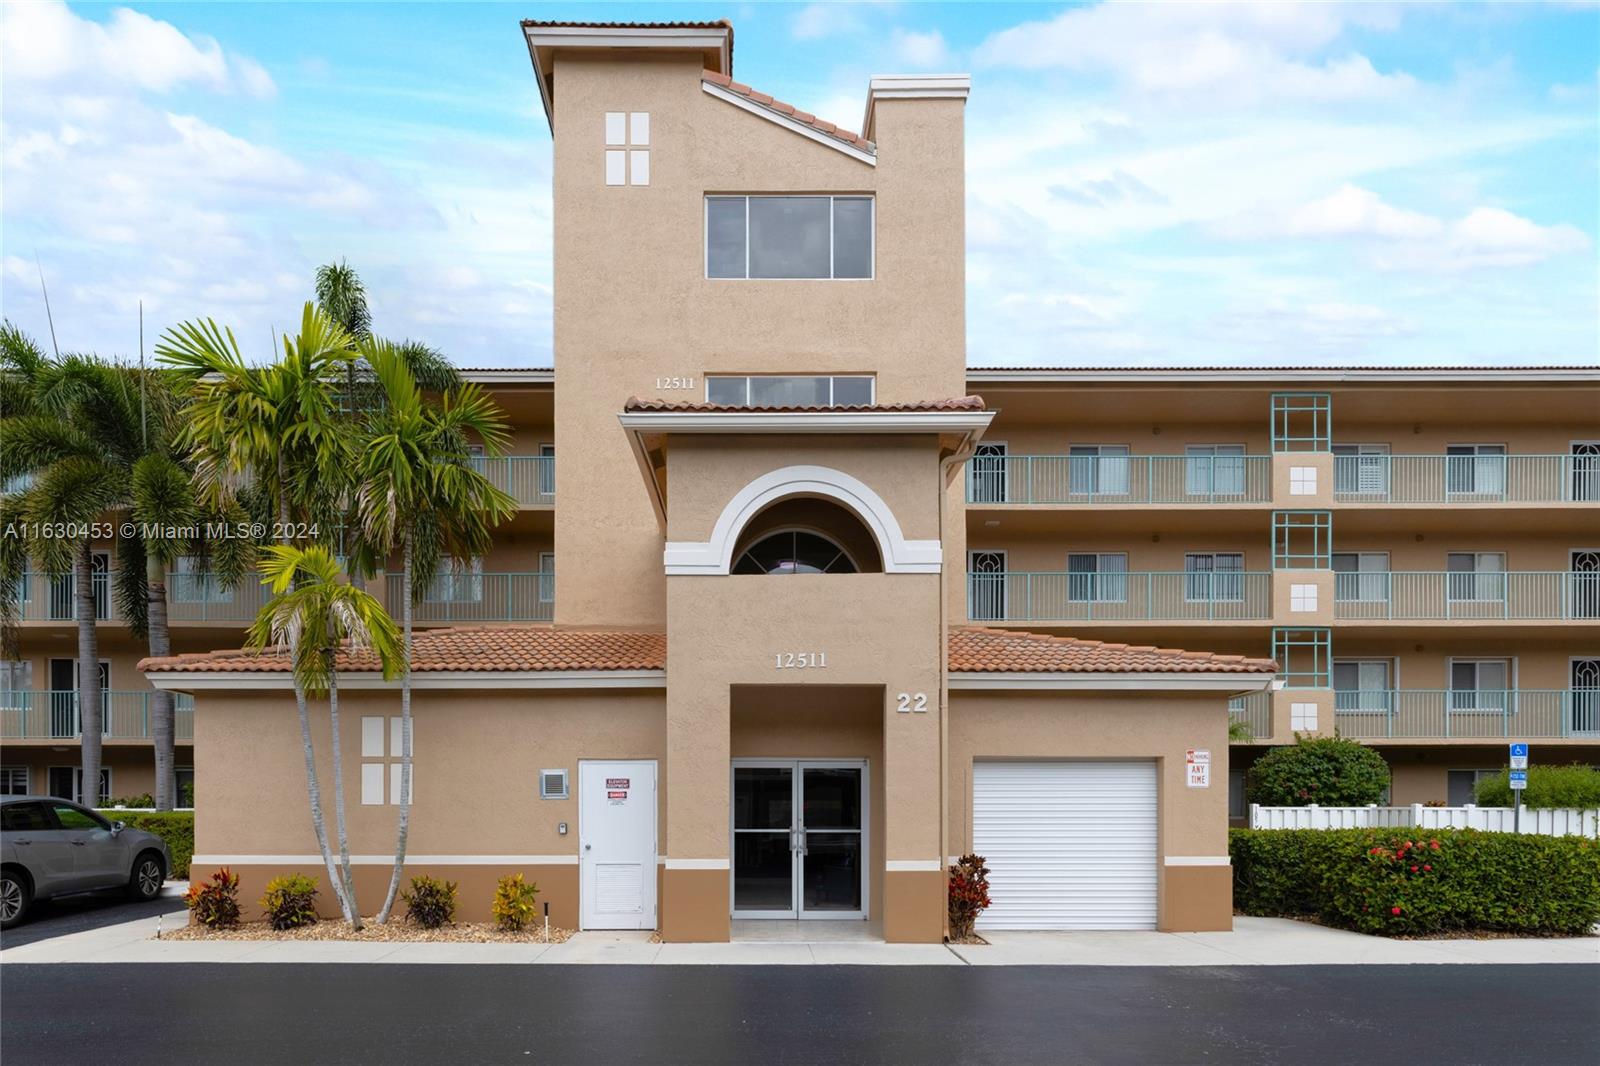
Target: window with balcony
1363, 685
1475, 576
191, 582
790, 390
1212, 576
986, 586
1214, 470
1480, 685
16, 681
1475, 469
1098, 470
1361, 469
986, 474
791, 238
1097, 577
456, 581
1361, 577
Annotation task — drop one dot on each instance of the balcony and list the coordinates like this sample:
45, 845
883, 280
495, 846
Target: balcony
54, 715
1438, 714
463, 596
1255, 711
1466, 479
528, 479
1119, 480
1017, 596
1515, 596
191, 598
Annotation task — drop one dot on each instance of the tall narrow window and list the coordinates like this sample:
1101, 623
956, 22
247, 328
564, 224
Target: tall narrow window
627, 148
789, 237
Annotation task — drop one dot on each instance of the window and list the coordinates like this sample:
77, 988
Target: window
16, 682
457, 581
1097, 469
373, 736
1361, 469
1362, 685
794, 551
185, 782
66, 782
789, 237
1480, 685
547, 470
1476, 575
775, 390
190, 582
1097, 578
25, 817
1238, 807
986, 586
13, 781
70, 817
627, 148
1212, 576
1362, 576
1475, 469
1463, 785
1214, 470
547, 577
986, 474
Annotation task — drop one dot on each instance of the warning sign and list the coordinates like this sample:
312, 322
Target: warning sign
617, 795
617, 782
1197, 768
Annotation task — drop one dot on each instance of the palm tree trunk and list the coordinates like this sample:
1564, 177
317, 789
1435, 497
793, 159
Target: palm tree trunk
162, 731
314, 789
405, 736
338, 801
90, 718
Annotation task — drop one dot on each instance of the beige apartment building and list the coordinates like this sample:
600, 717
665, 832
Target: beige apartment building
798, 607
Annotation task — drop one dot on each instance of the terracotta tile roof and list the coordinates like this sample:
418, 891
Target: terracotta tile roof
466, 648
538, 647
963, 403
849, 137
1397, 368
974, 649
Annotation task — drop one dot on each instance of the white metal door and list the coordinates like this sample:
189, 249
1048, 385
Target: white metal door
617, 845
1070, 845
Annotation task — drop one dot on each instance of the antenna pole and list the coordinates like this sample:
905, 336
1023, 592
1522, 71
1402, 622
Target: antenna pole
144, 418
48, 317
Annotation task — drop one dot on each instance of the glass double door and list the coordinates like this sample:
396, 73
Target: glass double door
799, 838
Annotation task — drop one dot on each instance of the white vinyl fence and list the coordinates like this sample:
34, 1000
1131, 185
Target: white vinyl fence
1542, 822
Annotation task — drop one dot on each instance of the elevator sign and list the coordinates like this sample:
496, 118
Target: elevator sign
1197, 768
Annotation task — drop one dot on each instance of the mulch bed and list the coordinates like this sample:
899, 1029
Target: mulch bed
398, 930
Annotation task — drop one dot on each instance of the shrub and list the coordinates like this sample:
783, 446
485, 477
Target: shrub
515, 903
1410, 882
1548, 786
142, 800
186, 794
969, 894
290, 901
215, 902
174, 827
431, 902
1331, 771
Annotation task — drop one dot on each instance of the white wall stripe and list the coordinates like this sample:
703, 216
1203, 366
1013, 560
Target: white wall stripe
388, 860
1198, 860
897, 866
697, 864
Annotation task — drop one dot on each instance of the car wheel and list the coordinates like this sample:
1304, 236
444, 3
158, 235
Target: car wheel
15, 896
145, 882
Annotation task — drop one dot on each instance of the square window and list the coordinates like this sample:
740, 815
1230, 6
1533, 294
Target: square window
639, 128
616, 128
1302, 481
616, 165
1303, 717
1302, 598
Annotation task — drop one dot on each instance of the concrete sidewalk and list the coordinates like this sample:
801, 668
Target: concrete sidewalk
1254, 942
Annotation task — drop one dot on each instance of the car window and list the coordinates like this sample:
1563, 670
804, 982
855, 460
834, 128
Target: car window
19, 817
77, 818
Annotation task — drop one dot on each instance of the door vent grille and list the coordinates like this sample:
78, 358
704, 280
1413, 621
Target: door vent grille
553, 784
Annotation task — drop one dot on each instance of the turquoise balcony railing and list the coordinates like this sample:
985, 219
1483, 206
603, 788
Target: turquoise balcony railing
1517, 714
1019, 596
461, 596
1439, 596
528, 479
125, 715
1466, 479
1119, 479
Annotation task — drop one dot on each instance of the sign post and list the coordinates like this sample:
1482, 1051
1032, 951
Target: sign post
1518, 770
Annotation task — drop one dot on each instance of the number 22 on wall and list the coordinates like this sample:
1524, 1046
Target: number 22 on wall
907, 702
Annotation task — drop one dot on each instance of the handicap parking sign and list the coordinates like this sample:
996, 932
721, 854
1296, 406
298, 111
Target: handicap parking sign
1519, 756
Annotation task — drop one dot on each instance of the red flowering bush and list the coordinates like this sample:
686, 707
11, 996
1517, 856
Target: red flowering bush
215, 902
1409, 882
969, 894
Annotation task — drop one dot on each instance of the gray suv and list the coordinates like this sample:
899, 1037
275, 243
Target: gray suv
51, 847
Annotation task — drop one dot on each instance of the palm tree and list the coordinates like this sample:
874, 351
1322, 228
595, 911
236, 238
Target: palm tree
416, 483
315, 613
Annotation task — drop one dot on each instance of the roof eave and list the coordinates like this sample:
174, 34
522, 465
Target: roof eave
714, 42
1233, 682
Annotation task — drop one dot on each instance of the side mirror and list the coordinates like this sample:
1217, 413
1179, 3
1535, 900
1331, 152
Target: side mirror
117, 827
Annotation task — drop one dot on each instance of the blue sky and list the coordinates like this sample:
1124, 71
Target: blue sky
1150, 184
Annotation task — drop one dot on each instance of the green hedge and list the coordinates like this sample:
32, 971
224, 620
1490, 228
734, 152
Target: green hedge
1407, 882
1548, 786
175, 827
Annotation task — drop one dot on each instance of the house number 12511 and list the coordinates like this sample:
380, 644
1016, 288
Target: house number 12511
800, 660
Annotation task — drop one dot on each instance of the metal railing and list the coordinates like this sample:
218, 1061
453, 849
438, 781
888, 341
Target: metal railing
468, 597
1119, 479
1516, 595
1466, 479
1020, 596
53, 715
52, 597
528, 479
1255, 711
1521, 713
200, 598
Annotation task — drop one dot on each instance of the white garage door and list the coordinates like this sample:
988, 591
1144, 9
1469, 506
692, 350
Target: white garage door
1070, 845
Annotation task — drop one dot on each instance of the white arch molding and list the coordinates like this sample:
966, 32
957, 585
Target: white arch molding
715, 556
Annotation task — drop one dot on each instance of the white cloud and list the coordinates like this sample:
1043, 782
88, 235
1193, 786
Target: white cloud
1356, 211
817, 21
925, 50
46, 44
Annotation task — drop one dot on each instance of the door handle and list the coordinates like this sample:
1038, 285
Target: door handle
79, 843
20, 842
